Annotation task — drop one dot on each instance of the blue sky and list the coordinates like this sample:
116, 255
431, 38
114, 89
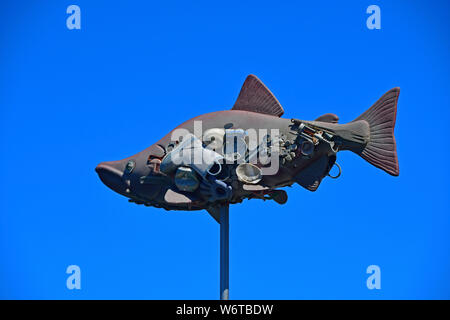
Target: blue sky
70, 99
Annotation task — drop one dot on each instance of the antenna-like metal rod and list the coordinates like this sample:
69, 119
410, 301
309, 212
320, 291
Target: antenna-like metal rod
224, 252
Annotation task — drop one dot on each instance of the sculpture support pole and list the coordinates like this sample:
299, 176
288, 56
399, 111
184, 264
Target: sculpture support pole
224, 252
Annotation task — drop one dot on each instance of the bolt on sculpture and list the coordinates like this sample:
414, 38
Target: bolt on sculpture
223, 157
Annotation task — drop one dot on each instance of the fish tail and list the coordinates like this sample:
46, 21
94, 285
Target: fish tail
380, 148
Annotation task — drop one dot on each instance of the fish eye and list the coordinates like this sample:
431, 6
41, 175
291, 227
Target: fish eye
130, 166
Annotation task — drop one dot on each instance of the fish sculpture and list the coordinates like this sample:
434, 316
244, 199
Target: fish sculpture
250, 152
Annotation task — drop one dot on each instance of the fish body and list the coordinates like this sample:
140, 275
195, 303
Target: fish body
250, 152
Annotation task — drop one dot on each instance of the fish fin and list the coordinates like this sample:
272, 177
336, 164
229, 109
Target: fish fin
175, 198
311, 177
214, 212
328, 117
381, 150
255, 97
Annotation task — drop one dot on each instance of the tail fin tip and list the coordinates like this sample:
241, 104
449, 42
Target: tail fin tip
381, 150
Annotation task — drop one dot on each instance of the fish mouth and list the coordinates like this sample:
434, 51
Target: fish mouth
111, 174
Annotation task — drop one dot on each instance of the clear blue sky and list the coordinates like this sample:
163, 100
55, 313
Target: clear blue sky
70, 99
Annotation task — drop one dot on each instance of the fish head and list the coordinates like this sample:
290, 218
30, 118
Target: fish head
127, 176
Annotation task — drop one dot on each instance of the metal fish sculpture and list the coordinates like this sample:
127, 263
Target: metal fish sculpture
250, 152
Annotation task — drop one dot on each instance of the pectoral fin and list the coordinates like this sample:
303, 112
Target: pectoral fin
175, 198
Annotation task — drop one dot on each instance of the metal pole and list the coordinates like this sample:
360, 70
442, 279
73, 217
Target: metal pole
224, 252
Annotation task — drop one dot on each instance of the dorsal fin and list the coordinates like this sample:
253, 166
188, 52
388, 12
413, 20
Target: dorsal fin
328, 117
255, 97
